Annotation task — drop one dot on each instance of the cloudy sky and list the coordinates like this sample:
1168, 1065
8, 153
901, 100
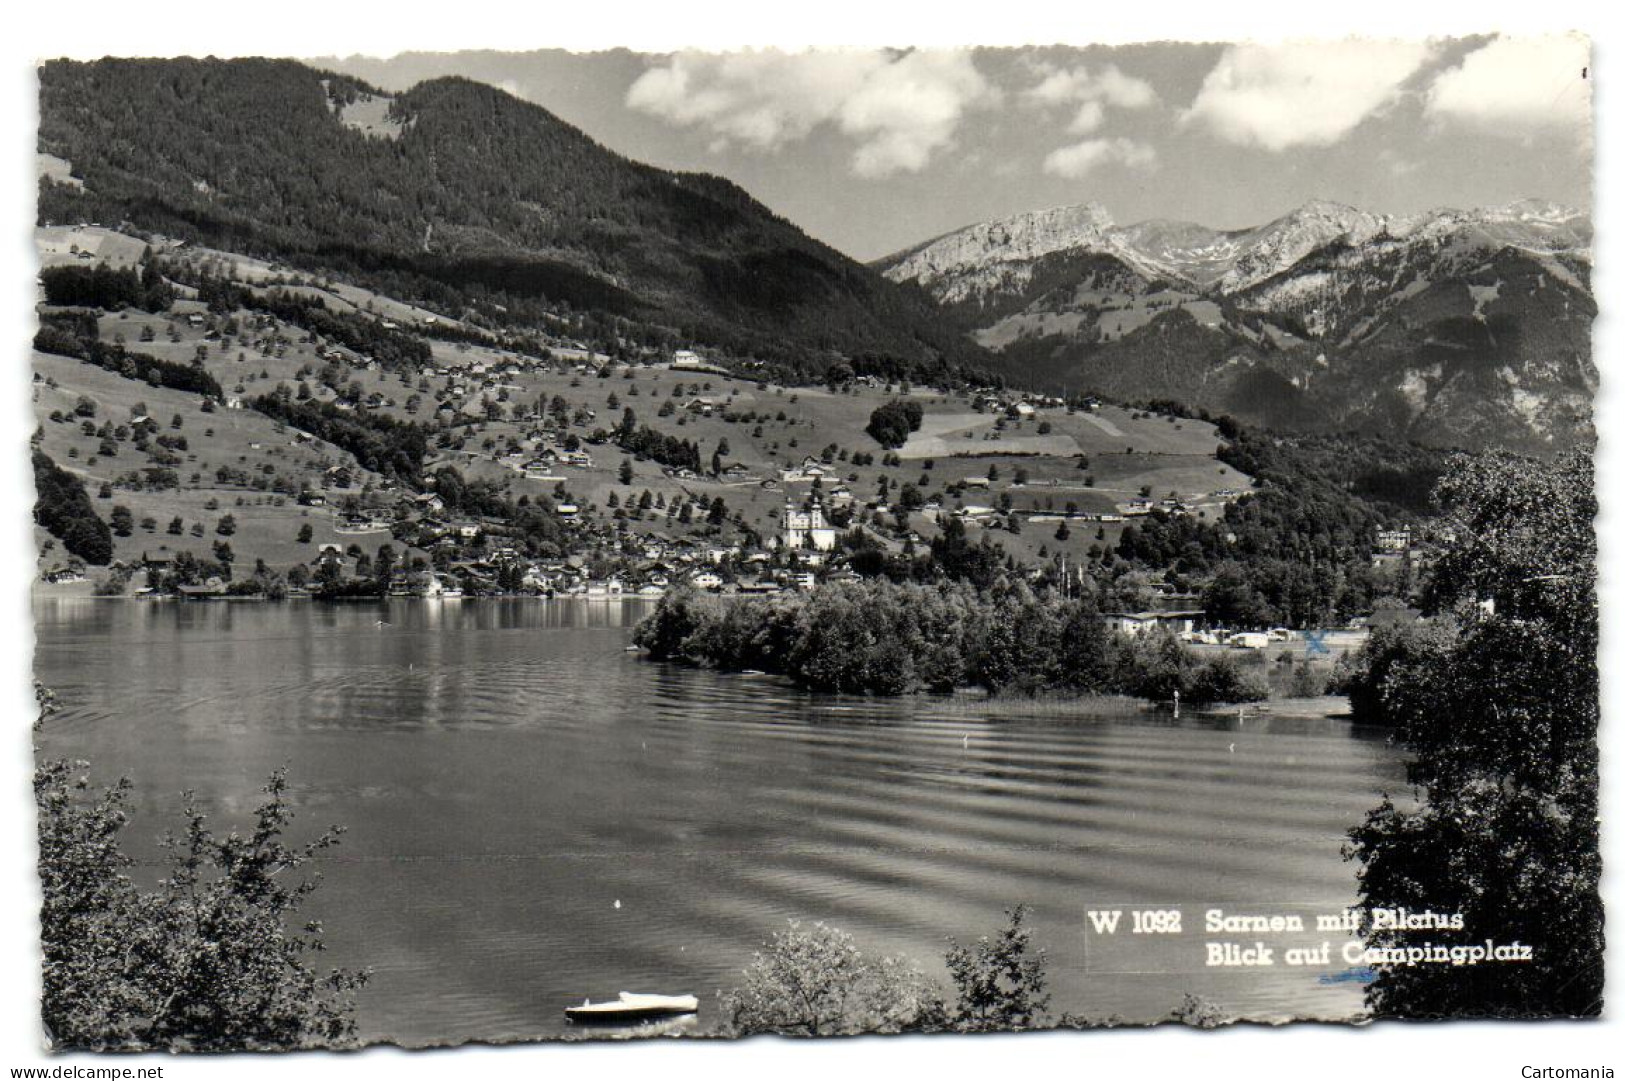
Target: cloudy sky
874, 150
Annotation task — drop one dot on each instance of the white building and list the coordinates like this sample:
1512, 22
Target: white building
1137, 623
803, 529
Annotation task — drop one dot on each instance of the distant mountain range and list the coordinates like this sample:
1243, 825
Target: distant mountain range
463, 196
1451, 327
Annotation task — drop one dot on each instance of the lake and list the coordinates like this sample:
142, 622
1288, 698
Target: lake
536, 815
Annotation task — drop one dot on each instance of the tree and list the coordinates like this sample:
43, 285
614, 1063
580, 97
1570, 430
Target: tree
816, 982
206, 961
626, 471
305, 533
384, 564
1499, 705
1000, 980
890, 424
1231, 600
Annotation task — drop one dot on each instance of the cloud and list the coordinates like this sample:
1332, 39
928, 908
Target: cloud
1089, 117
1312, 94
901, 109
1110, 86
909, 109
760, 99
1081, 159
1517, 86
1089, 94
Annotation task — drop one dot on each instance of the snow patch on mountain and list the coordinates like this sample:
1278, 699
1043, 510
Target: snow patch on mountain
960, 265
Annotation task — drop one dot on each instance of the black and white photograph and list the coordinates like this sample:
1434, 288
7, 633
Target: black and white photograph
534, 544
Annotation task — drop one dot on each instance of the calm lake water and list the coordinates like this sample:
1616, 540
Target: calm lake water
507, 773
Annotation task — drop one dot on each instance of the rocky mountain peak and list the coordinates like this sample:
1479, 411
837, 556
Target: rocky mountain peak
1021, 238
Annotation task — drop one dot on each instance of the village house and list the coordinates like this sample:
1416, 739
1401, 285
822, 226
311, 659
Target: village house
604, 587
1393, 540
213, 587
809, 469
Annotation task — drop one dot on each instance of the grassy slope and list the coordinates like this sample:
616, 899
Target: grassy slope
1124, 450
240, 439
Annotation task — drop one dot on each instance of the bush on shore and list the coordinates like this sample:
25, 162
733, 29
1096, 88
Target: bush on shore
816, 981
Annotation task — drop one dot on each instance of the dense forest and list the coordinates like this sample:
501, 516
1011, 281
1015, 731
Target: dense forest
1297, 550
107, 287
482, 198
879, 637
63, 509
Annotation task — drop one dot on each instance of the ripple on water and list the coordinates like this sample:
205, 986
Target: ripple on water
507, 773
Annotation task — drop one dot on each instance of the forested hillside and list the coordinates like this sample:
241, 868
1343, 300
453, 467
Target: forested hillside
468, 199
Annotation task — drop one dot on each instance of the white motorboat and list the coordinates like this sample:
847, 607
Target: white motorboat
632, 1007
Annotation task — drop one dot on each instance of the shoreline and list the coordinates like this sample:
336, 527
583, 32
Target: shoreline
81, 595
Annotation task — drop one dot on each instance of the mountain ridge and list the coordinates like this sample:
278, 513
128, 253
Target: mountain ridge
1272, 245
464, 196
1457, 327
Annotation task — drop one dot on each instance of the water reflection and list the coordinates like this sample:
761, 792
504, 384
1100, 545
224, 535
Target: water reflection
508, 772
